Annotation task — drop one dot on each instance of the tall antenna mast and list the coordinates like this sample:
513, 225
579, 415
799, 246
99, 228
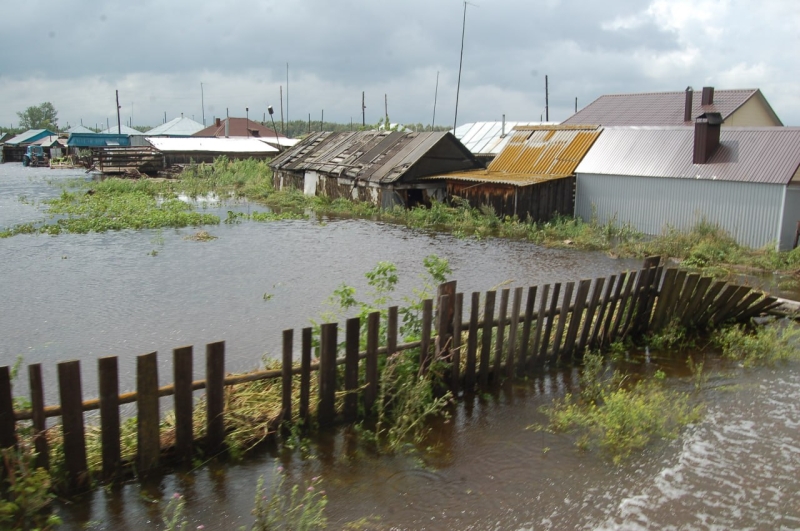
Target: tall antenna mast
435, 96
460, 63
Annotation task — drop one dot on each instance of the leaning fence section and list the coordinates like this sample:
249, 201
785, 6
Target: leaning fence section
500, 335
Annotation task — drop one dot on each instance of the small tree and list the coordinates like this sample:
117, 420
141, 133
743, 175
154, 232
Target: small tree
43, 116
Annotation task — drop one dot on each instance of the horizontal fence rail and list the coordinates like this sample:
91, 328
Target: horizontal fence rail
545, 325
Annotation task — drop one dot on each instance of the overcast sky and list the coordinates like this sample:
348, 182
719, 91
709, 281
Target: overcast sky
157, 54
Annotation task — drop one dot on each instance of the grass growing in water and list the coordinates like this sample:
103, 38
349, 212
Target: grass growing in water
767, 345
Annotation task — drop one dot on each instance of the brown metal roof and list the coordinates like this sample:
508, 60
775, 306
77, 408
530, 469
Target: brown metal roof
660, 108
535, 154
239, 127
378, 156
768, 155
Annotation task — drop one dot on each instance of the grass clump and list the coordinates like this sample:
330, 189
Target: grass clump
768, 345
618, 417
27, 492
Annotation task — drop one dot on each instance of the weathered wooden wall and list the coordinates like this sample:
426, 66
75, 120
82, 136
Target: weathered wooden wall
537, 202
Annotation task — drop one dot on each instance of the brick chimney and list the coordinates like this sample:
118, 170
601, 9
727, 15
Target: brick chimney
218, 123
706, 136
708, 96
687, 107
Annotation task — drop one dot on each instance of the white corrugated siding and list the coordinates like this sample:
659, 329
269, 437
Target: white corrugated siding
791, 215
750, 212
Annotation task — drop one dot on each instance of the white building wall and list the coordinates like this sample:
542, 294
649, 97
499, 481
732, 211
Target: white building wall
791, 216
750, 212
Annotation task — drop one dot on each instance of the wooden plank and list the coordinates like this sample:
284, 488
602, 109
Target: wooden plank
71, 396
624, 302
724, 312
39, 421
215, 397
444, 329
446, 306
371, 369
486, 339
512, 333
583, 338
749, 299
472, 344
643, 307
551, 315
305, 374
352, 339
455, 356
148, 450
687, 294
577, 320
664, 293
633, 302
651, 300
699, 292
391, 331
8, 426
536, 358
525, 342
708, 303
425, 340
108, 375
286, 375
758, 307
499, 344
183, 374
326, 409
674, 297
562, 322
604, 303
606, 337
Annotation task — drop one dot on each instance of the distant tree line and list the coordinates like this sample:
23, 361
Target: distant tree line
300, 128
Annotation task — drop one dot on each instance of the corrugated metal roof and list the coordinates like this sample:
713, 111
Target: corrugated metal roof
26, 137
180, 126
748, 154
242, 127
281, 141
79, 129
211, 144
123, 130
375, 156
488, 138
659, 108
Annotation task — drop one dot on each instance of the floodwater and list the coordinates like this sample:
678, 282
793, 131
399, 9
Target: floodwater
86, 296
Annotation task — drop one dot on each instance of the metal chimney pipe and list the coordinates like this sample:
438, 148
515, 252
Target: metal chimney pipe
708, 96
227, 122
503, 131
687, 108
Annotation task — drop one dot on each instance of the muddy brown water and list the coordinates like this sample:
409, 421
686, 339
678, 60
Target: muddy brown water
86, 296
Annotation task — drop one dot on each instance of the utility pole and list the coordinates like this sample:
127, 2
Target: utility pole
322, 121
287, 98
203, 103
247, 120
435, 96
546, 101
460, 63
119, 122
283, 130
576, 103
386, 111
309, 123
363, 109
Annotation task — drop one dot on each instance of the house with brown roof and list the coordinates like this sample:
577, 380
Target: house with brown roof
745, 180
386, 168
238, 127
746, 107
533, 177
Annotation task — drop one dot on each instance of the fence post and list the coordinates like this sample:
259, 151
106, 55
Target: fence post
108, 373
536, 357
562, 322
525, 341
371, 372
8, 429
444, 328
39, 421
305, 374
286, 375
425, 340
352, 340
69, 386
486, 339
472, 343
147, 419
215, 397
327, 375
512, 332
455, 356
183, 373
502, 321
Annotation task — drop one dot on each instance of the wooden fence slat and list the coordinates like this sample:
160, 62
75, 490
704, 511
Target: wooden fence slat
425, 340
472, 344
708, 303
486, 339
699, 292
71, 397
326, 409
352, 340
305, 374
607, 336
724, 312
674, 297
512, 333
8, 426
745, 303
637, 300
183, 373
576, 320
583, 339
596, 337
286, 375
371, 370
651, 300
525, 341
624, 302
758, 307
215, 397
455, 356
444, 328
640, 316
108, 375
148, 450
447, 306
551, 315
536, 356
562, 322
662, 299
686, 296
502, 322
39, 421
391, 331
628, 304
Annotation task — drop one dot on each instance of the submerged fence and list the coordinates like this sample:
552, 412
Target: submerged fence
544, 325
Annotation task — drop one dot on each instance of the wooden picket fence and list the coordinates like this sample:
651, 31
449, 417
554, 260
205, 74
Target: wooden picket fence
498, 344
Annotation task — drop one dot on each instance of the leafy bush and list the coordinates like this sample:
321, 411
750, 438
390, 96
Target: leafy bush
763, 346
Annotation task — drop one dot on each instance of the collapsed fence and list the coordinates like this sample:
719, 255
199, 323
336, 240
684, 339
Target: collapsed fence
545, 327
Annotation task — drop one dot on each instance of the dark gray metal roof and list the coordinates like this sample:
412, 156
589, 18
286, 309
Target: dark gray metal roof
768, 155
377, 156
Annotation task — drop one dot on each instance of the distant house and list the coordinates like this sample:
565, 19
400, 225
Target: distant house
192, 149
384, 168
532, 177
486, 139
744, 179
97, 140
14, 148
79, 129
746, 107
179, 127
237, 127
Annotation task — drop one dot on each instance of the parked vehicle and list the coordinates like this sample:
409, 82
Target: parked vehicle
34, 156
